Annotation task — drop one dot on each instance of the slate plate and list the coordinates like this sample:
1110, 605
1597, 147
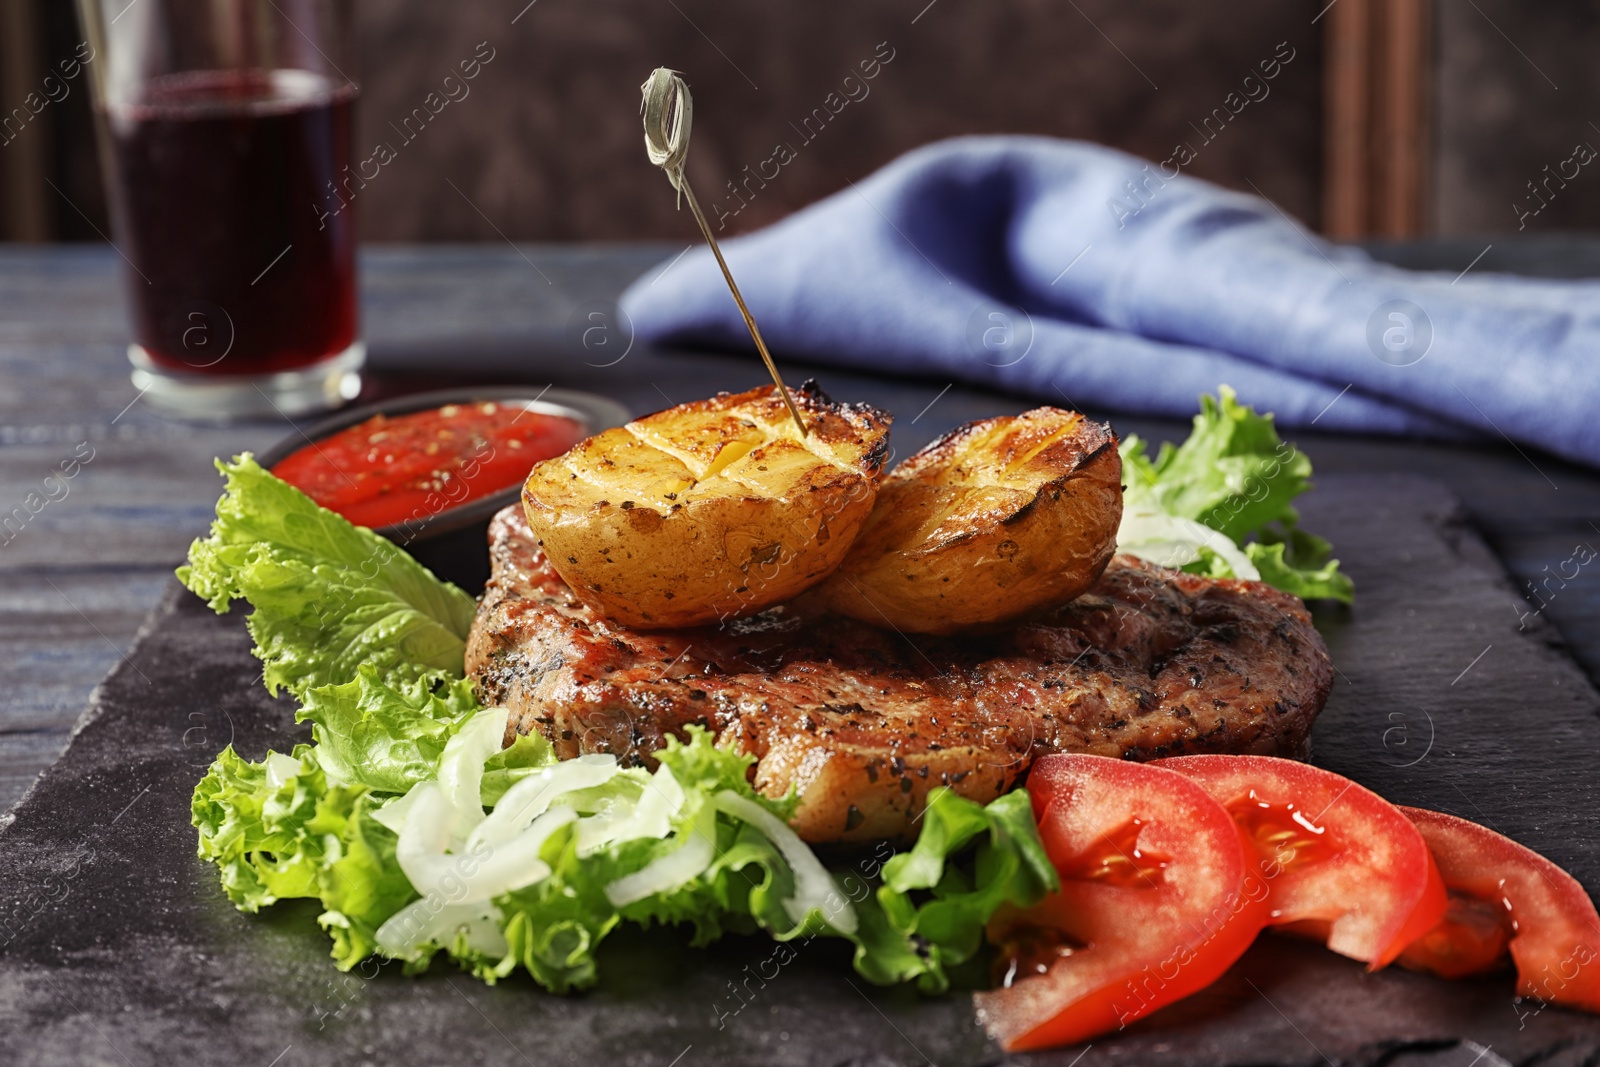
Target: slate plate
118, 947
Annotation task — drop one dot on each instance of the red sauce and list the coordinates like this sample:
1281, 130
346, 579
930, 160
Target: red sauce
412, 467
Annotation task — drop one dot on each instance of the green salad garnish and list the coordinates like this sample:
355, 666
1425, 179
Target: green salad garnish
1221, 504
419, 833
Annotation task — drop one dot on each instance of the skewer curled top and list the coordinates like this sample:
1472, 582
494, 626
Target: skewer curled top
668, 114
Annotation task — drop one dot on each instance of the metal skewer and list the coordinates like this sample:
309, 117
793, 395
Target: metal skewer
668, 111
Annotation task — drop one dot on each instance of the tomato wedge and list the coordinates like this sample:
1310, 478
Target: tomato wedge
1150, 908
1340, 863
1507, 897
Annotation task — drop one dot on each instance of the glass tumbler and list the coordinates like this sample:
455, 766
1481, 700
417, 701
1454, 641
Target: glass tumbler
225, 131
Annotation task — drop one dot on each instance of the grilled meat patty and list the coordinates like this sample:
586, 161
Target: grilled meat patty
864, 722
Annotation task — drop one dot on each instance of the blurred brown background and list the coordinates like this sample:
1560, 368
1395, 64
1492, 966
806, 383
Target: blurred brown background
1392, 116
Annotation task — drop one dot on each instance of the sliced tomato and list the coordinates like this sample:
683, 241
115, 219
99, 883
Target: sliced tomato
1338, 862
1149, 909
1505, 898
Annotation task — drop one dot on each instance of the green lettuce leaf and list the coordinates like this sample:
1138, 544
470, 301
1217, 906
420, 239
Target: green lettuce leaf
328, 596
748, 880
1235, 475
936, 899
360, 883
254, 829
1300, 563
285, 828
555, 926
371, 644
294, 833
516, 761
373, 735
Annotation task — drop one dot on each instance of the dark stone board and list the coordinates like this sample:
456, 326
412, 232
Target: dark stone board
119, 948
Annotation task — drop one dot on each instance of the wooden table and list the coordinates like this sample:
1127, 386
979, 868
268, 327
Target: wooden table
77, 577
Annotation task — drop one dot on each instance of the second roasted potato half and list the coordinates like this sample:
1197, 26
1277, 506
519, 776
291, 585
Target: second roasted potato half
993, 521
709, 510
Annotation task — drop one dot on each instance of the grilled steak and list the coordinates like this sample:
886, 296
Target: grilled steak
1151, 662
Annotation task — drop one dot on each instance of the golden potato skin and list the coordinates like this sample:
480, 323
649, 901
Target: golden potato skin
710, 510
997, 519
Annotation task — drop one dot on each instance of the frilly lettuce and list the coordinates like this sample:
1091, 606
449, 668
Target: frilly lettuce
328, 596
369, 734
1221, 505
284, 828
279, 829
969, 859
371, 644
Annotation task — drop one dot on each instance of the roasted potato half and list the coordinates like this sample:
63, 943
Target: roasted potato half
997, 519
710, 510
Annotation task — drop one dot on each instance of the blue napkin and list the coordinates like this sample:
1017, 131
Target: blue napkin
1077, 274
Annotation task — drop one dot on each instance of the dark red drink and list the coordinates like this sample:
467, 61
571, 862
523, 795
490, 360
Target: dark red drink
243, 255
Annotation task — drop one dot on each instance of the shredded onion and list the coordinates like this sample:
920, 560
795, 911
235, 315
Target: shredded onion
394, 811
510, 865
813, 885
531, 797
666, 873
460, 858
427, 921
461, 767
628, 820
478, 872
425, 838
1173, 541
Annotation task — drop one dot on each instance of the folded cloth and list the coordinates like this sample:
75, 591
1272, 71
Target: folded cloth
1071, 272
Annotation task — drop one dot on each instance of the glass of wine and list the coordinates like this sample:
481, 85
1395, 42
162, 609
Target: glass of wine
225, 131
